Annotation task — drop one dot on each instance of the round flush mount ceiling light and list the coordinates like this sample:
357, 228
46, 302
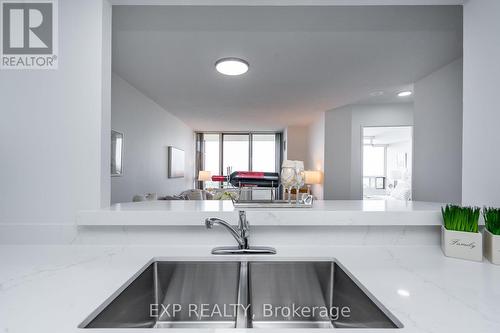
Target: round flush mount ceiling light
405, 93
231, 66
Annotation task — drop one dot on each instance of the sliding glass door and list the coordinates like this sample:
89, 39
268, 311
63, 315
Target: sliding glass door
235, 152
264, 152
210, 157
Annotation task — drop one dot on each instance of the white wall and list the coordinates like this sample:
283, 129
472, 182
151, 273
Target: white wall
50, 126
105, 138
316, 151
481, 111
307, 143
337, 175
437, 172
148, 131
296, 147
343, 152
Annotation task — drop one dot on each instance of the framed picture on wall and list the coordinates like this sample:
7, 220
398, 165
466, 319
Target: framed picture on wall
116, 153
380, 183
175, 162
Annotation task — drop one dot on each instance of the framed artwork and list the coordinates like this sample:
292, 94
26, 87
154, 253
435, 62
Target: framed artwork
175, 162
380, 183
116, 153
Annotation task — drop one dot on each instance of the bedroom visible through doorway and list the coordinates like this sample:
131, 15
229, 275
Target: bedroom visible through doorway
387, 162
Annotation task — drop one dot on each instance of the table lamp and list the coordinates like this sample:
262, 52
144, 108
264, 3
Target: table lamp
312, 177
204, 176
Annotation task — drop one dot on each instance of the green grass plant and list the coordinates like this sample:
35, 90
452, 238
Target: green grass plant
492, 219
459, 218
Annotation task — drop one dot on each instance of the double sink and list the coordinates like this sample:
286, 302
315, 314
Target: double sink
242, 294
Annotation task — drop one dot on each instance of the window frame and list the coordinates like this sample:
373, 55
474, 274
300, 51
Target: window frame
221, 149
385, 158
374, 178
199, 151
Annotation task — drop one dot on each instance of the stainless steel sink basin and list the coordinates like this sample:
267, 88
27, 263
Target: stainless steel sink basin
312, 285
165, 283
242, 294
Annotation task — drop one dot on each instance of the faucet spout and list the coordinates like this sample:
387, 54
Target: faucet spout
241, 234
238, 235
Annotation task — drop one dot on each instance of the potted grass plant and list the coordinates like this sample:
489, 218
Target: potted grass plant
460, 236
492, 234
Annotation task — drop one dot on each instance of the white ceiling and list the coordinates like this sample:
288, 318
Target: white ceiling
388, 95
303, 60
388, 135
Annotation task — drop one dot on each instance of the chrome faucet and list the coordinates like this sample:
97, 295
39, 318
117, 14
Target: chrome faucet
240, 234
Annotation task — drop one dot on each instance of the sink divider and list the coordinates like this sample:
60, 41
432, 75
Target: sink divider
242, 320
331, 286
156, 286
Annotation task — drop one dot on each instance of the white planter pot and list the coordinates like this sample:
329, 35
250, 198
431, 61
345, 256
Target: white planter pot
492, 247
462, 245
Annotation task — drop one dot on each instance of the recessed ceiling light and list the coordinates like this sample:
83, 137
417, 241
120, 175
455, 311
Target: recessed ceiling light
405, 93
231, 66
403, 292
376, 93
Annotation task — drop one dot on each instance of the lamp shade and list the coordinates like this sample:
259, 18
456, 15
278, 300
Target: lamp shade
204, 176
313, 177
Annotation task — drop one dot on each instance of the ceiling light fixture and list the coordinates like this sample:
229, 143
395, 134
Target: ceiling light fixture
405, 93
403, 292
231, 66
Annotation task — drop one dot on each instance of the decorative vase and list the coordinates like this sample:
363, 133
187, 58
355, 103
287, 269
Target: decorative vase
492, 247
462, 245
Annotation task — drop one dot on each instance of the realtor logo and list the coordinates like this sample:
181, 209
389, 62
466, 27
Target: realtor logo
29, 34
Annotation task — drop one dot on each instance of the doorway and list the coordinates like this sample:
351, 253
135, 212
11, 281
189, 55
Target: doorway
387, 162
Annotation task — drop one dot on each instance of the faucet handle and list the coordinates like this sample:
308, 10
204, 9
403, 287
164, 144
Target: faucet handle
243, 224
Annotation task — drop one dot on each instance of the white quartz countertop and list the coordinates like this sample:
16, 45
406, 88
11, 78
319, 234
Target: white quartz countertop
47, 289
323, 213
